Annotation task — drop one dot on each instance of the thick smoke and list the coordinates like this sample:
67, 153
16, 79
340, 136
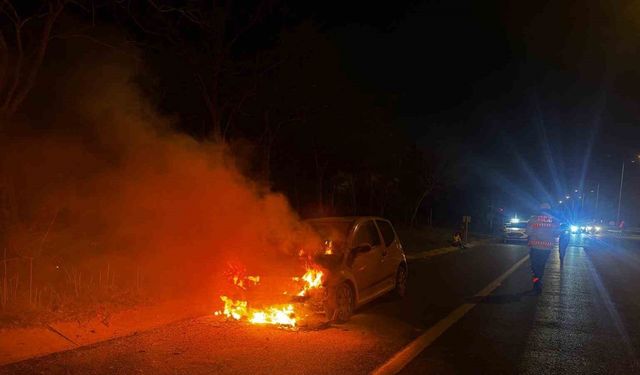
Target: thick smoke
94, 179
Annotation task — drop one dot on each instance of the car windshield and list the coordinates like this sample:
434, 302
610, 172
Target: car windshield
333, 233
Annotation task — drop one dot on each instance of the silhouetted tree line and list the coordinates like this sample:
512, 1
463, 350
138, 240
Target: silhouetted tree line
263, 77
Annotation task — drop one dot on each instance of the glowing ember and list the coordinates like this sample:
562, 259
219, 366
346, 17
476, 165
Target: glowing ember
237, 274
328, 247
242, 282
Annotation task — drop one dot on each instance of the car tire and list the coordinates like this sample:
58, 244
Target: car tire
402, 275
343, 304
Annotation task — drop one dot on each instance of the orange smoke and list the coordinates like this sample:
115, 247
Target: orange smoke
122, 185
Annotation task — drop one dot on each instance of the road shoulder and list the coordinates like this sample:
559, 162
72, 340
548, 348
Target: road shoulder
18, 344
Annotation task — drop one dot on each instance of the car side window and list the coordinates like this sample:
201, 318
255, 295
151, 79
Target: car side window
387, 232
366, 233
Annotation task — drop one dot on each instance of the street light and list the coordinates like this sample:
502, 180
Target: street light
620, 190
597, 197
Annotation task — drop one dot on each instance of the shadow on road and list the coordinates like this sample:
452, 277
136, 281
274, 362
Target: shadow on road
502, 298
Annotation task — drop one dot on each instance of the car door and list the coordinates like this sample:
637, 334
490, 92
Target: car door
391, 254
365, 266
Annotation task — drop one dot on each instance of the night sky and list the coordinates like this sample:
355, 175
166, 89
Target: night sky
520, 102
528, 96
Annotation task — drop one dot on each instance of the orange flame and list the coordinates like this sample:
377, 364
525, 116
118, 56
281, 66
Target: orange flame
312, 279
281, 315
328, 247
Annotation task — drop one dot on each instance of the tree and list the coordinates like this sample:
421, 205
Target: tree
202, 42
24, 37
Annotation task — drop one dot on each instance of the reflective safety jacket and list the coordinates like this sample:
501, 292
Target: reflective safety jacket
543, 231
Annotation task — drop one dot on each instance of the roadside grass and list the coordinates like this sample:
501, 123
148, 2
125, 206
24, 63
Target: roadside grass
68, 308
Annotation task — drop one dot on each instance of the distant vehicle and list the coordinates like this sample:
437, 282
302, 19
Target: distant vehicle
585, 228
515, 231
364, 259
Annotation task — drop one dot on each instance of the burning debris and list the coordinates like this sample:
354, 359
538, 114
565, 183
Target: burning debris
237, 275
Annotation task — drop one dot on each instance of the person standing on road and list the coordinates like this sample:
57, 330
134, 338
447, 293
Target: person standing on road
563, 243
543, 230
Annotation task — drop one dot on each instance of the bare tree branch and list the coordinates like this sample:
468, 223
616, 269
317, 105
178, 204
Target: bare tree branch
54, 12
257, 15
17, 71
8, 9
4, 61
97, 41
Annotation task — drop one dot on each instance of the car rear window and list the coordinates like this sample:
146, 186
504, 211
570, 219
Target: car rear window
388, 235
366, 233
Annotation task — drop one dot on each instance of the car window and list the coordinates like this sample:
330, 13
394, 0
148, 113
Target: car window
387, 232
366, 233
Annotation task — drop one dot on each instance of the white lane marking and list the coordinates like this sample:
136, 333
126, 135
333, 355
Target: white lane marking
409, 352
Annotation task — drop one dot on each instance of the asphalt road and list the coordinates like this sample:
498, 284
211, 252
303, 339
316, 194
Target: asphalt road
584, 322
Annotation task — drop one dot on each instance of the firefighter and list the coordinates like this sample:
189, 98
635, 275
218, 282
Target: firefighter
543, 230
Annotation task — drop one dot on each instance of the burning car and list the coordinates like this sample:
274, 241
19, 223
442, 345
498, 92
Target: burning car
356, 260
364, 260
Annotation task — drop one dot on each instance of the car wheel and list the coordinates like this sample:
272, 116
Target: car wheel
401, 281
343, 304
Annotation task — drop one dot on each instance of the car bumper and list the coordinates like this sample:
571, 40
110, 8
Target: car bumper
515, 237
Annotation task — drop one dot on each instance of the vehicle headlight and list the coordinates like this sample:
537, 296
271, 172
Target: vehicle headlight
589, 229
573, 228
598, 229
583, 228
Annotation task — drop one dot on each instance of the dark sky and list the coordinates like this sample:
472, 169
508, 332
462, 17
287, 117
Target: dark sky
532, 96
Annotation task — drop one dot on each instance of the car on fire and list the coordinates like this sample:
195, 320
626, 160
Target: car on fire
364, 260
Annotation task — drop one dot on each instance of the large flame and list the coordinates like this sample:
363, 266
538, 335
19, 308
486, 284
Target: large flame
237, 310
312, 279
277, 314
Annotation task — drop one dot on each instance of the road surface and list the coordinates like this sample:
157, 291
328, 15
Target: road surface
584, 322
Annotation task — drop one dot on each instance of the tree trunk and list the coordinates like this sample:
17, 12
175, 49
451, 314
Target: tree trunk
320, 169
32, 73
25, 72
416, 208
